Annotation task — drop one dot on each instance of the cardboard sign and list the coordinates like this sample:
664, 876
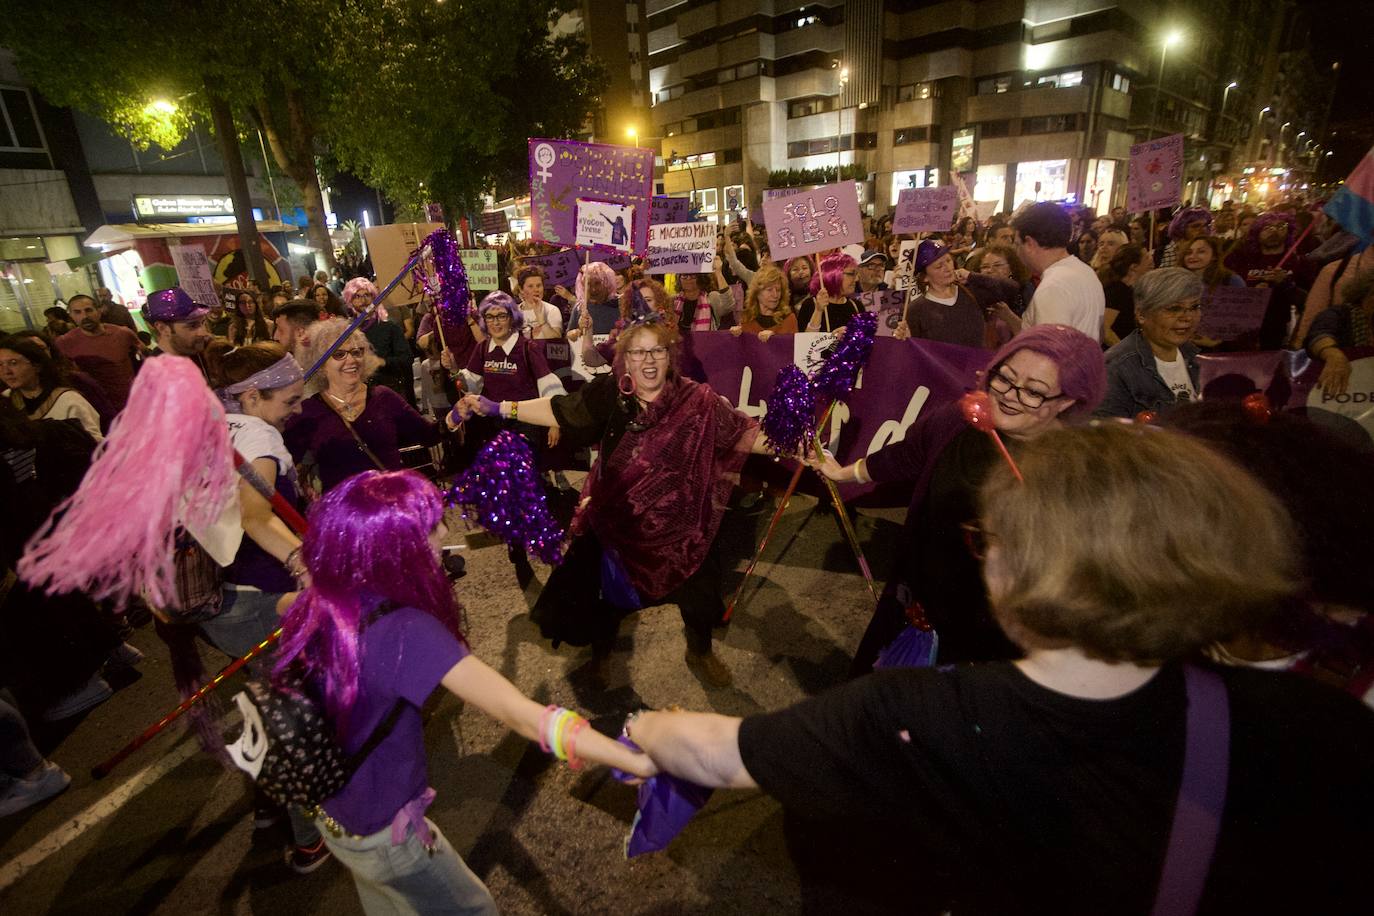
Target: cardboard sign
560, 268
814, 220
195, 274
682, 248
925, 210
670, 210
904, 272
495, 222
480, 265
1155, 176
390, 247
1229, 312
604, 224
983, 209
562, 172
890, 304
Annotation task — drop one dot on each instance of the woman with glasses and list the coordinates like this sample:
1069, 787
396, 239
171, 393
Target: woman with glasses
1155, 366
670, 452
347, 426
831, 303
1045, 377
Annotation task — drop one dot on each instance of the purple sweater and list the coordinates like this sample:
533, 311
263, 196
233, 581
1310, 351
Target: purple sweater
387, 424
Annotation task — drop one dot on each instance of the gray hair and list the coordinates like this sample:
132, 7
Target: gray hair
1164, 287
324, 333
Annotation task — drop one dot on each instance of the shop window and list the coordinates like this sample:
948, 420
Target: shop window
19, 124
708, 199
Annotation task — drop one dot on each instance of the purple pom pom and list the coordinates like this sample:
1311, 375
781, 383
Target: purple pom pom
451, 295
836, 378
789, 419
502, 493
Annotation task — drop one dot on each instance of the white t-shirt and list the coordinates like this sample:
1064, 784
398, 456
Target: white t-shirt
552, 317
943, 301
1175, 375
255, 438
1069, 293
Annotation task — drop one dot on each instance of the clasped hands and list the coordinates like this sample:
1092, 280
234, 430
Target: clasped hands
470, 405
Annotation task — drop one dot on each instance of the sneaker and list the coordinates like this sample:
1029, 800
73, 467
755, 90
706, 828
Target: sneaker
305, 859
92, 694
48, 780
124, 656
708, 668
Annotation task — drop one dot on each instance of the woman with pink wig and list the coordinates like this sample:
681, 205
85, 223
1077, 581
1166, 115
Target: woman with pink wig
377, 632
831, 303
388, 340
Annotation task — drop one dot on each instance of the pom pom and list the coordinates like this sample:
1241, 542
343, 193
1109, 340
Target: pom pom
789, 419
449, 288
977, 409
502, 493
836, 378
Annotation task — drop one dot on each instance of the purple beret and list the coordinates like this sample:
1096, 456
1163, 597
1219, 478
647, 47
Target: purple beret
172, 305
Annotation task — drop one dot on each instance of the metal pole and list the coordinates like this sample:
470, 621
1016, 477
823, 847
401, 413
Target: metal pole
1159, 87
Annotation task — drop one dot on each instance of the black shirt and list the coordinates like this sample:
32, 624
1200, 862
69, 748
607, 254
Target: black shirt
1121, 297
1041, 802
837, 314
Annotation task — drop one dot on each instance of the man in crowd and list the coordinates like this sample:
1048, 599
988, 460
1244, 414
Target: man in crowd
112, 312
1069, 292
871, 269
178, 323
106, 352
291, 324
1000, 234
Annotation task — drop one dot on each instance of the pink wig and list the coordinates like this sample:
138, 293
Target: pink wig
169, 452
358, 285
600, 272
368, 542
831, 274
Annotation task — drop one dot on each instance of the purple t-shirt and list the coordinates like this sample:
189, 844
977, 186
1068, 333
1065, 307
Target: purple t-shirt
506, 376
405, 654
386, 424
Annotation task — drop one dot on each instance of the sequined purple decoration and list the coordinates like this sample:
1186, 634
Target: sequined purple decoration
502, 493
837, 377
789, 419
449, 285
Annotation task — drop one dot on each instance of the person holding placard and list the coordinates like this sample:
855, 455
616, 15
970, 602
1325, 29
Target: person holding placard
1155, 366
831, 303
956, 306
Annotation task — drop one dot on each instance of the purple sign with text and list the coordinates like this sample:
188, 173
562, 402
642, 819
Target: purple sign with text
925, 209
1155, 178
890, 304
562, 171
815, 220
670, 210
1232, 312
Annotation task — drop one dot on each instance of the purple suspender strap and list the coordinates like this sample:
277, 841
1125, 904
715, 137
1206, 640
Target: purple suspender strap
1201, 795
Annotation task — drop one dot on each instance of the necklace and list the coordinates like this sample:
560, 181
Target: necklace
346, 405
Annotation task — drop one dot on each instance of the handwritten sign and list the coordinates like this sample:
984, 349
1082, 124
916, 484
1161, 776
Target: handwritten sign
1229, 312
925, 209
480, 264
195, 273
560, 268
682, 248
564, 171
670, 210
904, 273
1155, 176
814, 220
890, 304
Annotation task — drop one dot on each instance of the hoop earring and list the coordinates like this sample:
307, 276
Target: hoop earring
628, 392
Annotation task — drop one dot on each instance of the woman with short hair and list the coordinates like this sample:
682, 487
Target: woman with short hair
540, 320
1087, 777
1155, 366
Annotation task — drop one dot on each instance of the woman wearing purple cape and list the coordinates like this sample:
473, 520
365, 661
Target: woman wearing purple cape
670, 453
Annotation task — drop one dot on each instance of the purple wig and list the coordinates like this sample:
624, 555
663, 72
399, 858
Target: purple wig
500, 300
368, 542
1178, 227
1268, 218
831, 274
1082, 373
358, 285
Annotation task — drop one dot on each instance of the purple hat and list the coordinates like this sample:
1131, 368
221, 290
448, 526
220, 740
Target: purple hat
928, 252
1178, 227
172, 305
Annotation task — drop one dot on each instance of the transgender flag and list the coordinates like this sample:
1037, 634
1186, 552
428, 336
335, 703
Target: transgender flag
1353, 205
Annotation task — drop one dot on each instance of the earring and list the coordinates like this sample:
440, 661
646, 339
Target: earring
630, 391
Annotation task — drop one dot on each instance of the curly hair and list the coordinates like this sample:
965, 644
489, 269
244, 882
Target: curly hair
324, 333
763, 277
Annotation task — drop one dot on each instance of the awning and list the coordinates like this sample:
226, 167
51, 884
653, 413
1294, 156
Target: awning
56, 268
124, 235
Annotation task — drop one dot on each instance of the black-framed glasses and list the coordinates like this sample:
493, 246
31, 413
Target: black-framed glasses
639, 354
356, 352
1028, 397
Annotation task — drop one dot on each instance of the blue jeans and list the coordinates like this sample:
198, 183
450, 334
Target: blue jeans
18, 756
409, 880
246, 619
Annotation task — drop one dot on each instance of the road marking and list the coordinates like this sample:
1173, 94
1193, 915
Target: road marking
69, 832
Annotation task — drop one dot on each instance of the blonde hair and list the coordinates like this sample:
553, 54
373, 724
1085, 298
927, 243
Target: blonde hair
1132, 544
764, 276
324, 333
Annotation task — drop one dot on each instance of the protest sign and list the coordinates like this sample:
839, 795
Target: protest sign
1231, 312
1155, 176
890, 304
390, 247
195, 273
562, 172
813, 220
604, 224
495, 222
480, 265
983, 209
925, 210
904, 271
670, 210
560, 268
688, 248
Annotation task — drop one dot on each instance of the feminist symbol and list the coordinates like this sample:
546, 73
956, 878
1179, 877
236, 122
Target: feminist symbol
544, 157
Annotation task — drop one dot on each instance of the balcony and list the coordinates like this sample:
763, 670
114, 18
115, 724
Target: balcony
1027, 103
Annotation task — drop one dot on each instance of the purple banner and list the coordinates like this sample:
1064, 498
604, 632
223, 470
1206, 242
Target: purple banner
1232, 312
562, 171
925, 209
807, 221
560, 268
1155, 176
670, 210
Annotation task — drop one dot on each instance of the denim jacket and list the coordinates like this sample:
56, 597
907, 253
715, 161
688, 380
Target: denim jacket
1133, 382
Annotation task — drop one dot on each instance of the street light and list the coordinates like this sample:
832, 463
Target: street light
1174, 37
1225, 93
839, 113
